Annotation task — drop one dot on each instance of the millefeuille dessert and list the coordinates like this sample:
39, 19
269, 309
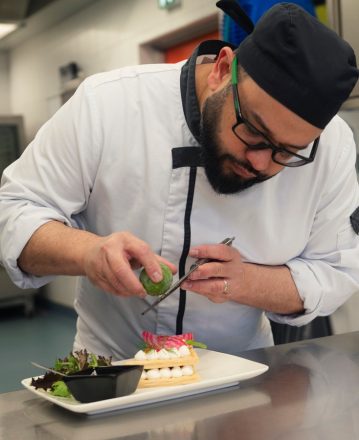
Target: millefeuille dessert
167, 360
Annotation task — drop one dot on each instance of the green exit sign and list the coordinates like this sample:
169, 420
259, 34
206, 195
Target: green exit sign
168, 4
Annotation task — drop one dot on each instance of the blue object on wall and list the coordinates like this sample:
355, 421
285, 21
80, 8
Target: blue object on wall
234, 34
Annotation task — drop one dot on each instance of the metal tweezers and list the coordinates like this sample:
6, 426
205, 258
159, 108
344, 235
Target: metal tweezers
226, 241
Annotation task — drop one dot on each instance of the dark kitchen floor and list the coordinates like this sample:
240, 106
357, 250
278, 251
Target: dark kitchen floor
48, 334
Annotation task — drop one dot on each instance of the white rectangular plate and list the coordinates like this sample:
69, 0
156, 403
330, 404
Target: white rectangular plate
217, 370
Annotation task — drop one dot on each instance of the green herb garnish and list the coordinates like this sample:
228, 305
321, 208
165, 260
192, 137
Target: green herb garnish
196, 343
59, 388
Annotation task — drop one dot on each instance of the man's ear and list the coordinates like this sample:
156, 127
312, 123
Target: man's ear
221, 70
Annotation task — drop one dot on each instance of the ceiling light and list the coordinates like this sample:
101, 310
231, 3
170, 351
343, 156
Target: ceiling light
168, 4
6, 28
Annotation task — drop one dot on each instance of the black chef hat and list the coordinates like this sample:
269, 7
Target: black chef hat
300, 62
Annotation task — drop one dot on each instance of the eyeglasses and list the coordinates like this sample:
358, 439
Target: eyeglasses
256, 140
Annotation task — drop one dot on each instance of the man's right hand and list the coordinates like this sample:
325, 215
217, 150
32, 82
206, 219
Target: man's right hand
110, 262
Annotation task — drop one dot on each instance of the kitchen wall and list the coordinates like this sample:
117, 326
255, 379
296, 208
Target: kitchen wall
103, 36
4, 84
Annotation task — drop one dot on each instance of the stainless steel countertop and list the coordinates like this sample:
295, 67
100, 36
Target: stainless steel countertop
311, 391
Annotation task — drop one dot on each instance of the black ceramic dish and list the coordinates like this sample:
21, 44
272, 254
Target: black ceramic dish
109, 382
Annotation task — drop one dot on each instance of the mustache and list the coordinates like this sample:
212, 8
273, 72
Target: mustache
246, 165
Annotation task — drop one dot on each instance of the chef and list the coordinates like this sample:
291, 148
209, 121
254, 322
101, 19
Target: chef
159, 163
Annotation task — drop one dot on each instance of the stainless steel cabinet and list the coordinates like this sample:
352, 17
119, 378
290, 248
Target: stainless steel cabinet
11, 295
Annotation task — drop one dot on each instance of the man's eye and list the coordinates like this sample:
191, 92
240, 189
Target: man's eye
284, 155
251, 130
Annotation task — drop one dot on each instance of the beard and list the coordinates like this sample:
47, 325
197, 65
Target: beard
222, 180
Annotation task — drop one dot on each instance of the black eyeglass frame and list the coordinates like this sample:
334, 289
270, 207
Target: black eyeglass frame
268, 144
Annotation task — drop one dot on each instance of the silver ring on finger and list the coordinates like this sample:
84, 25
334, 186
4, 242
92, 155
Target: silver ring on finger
225, 287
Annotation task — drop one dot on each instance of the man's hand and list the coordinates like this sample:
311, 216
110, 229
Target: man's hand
228, 278
219, 279
110, 262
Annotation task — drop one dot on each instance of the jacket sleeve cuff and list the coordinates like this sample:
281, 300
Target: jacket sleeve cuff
14, 238
310, 292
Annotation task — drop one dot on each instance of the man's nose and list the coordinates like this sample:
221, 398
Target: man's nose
259, 159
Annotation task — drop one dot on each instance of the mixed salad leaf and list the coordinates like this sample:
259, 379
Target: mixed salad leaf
74, 363
59, 388
80, 360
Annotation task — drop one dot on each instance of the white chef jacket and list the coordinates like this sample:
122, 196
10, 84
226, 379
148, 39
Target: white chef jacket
120, 155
